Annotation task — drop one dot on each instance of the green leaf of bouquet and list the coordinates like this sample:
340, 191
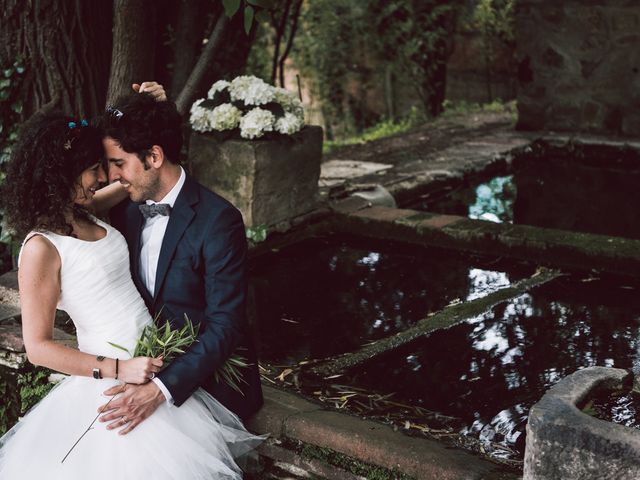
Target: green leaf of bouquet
115, 345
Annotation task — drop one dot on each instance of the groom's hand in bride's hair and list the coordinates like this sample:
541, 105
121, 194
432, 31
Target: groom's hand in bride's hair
139, 370
153, 88
131, 407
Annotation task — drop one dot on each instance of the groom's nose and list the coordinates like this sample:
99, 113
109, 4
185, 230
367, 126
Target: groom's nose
113, 174
102, 176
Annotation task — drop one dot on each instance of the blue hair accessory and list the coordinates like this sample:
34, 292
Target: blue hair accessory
71, 125
84, 123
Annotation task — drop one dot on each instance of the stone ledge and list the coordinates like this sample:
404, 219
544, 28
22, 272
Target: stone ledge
287, 415
541, 245
563, 442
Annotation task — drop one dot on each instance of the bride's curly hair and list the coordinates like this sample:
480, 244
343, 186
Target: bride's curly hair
44, 170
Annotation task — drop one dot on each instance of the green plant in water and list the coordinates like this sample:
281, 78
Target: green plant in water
166, 342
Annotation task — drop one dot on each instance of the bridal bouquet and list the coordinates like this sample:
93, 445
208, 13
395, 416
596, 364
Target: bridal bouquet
156, 341
247, 105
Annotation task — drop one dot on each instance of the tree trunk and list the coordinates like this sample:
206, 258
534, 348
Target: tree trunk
64, 47
133, 55
190, 32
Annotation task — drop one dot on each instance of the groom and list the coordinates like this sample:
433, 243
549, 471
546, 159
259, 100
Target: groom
188, 257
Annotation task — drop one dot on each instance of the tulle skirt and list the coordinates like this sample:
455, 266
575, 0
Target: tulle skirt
201, 439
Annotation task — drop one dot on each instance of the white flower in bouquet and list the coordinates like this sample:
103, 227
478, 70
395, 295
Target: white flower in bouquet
289, 124
200, 117
256, 122
290, 102
217, 87
225, 117
251, 90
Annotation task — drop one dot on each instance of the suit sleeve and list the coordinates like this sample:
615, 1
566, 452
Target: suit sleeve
225, 287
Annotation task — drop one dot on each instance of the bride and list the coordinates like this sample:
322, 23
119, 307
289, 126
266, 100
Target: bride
73, 261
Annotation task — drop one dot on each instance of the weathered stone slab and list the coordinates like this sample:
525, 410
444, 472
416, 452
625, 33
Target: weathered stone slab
269, 181
577, 66
8, 312
564, 443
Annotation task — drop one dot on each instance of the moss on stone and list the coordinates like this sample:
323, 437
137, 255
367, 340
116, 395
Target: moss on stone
370, 472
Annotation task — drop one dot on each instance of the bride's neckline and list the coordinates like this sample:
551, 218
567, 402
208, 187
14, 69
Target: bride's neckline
97, 223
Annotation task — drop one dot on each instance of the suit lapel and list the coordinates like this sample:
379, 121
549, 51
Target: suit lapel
134, 223
181, 216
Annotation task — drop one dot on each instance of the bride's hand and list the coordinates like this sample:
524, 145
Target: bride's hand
139, 370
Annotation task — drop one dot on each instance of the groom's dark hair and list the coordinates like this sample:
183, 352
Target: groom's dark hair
137, 122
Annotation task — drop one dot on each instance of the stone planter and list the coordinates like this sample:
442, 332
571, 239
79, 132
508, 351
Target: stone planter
564, 443
269, 181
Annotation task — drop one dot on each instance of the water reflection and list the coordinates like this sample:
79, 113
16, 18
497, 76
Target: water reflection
593, 190
491, 369
343, 294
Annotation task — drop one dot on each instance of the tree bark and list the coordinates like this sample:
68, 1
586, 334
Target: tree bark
190, 31
64, 47
195, 80
134, 40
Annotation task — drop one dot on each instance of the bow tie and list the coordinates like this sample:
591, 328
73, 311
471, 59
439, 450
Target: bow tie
150, 211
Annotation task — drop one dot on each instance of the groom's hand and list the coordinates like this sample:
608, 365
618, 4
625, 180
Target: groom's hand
134, 405
155, 89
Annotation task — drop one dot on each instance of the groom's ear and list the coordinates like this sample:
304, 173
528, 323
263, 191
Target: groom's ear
156, 156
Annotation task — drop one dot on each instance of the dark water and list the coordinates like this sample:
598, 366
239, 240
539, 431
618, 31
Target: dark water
621, 407
593, 190
328, 296
490, 370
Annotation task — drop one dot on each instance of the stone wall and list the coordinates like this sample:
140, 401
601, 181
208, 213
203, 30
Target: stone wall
579, 65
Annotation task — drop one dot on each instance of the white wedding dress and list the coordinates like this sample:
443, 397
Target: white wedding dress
198, 440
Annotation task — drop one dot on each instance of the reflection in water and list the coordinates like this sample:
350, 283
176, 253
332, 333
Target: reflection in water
341, 296
593, 190
491, 369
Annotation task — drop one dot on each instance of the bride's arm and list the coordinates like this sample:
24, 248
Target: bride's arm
107, 197
39, 282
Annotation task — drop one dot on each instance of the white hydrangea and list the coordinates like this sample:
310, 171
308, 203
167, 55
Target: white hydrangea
225, 117
289, 124
251, 90
200, 119
217, 87
256, 122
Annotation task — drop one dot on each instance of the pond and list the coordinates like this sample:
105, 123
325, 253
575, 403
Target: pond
487, 372
326, 296
591, 189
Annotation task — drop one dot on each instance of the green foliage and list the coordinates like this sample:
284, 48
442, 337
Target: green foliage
34, 385
327, 50
10, 117
465, 108
251, 9
346, 45
382, 129
10, 405
495, 18
19, 392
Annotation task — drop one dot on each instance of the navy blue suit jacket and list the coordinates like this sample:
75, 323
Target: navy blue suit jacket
201, 273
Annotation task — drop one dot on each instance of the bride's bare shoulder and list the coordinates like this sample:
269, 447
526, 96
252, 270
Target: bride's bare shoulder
39, 253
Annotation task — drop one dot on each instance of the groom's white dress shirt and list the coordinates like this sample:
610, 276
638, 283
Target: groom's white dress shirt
151, 238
